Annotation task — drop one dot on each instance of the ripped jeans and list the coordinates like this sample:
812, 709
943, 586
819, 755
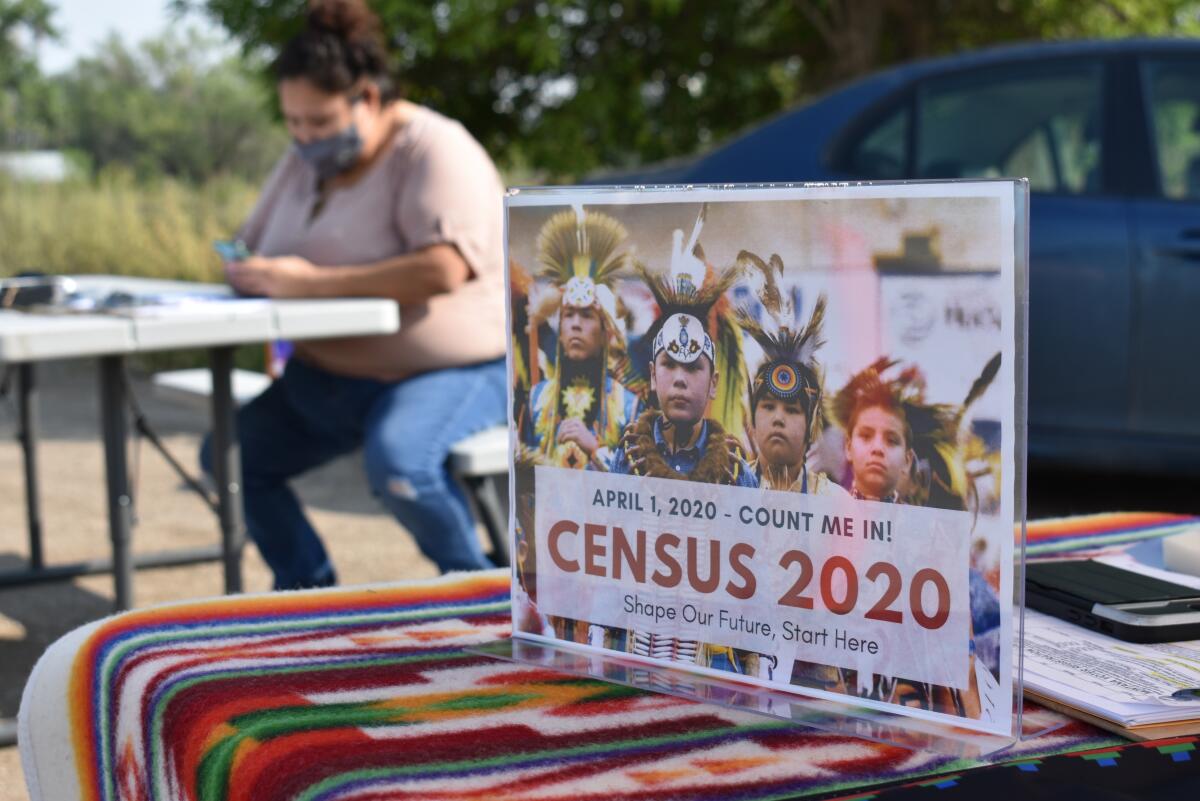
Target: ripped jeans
309, 416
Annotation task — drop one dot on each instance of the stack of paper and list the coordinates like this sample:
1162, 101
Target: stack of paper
1140, 691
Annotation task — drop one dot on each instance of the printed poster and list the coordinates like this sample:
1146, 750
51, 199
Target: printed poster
769, 433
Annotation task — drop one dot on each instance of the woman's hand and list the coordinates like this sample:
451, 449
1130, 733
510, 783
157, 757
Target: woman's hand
279, 277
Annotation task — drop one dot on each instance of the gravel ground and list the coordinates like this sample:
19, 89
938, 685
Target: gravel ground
366, 544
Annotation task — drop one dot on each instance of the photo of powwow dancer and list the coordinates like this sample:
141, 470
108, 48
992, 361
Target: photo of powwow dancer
903, 449
674, 438
787, 408
575, 416
787, 393
577, 413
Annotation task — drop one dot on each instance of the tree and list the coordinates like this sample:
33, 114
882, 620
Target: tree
174, 106
21, 19
569, 86
566, 86
23, 96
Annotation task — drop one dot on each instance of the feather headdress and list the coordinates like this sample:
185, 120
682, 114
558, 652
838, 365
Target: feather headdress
688, 287
581, 252
693, 288
789, 370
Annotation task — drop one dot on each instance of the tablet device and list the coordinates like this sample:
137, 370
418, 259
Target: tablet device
1113, 601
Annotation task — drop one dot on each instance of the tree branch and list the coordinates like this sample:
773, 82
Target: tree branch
823, 27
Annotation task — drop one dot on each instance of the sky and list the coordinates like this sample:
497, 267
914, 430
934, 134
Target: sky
83, 24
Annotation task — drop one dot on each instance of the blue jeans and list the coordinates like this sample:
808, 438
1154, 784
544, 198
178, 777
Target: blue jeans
308, 417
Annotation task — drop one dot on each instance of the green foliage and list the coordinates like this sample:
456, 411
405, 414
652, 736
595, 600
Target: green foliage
566, 86
25, 106
172, 106
1071, 19
28, 19
178, 105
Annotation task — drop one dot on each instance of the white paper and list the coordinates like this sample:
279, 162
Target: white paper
1126, 682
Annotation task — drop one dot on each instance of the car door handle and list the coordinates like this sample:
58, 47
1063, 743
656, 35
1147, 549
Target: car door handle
1186, 247
1181, 251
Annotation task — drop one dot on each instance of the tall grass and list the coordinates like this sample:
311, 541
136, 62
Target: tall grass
115, 225
118, 226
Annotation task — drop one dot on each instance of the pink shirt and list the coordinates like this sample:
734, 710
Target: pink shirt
434, 184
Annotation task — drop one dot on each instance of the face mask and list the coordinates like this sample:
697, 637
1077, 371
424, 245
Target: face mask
334, 154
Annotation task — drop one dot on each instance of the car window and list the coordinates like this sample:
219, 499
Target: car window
1043, 125
1173, 92
882, 152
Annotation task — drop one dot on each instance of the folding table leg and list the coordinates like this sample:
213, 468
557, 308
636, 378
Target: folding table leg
28, 412
493, 512
115, 428
227, 466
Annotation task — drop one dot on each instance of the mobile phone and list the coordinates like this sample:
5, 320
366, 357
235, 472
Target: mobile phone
1112, 601
232, 249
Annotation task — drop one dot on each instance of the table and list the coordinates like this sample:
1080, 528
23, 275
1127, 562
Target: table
218, 324
373, 693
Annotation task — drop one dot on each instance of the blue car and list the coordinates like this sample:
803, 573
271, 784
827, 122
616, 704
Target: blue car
1108, 134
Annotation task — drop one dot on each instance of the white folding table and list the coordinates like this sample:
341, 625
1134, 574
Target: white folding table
218, 322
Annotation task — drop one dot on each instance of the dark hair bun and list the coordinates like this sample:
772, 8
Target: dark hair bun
346, 19
341, 43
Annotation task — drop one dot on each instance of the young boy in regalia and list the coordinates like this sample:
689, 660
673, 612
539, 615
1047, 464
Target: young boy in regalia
787, 391
576, 416
677, 440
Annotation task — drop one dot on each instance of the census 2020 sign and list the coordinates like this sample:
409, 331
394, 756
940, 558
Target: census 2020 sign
864, 586
725, 461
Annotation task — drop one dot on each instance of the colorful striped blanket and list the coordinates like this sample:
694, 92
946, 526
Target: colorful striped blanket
368, 694
1100, 533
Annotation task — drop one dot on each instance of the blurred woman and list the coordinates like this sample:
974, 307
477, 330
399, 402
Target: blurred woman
378, 197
